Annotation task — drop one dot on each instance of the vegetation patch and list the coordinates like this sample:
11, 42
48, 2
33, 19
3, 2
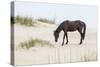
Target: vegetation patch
29, 21
35, 42
45, 20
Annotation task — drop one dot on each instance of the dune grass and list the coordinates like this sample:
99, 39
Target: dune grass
35, 42
29, 21
45, 20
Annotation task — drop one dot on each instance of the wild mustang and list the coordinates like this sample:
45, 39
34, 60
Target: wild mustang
70, 26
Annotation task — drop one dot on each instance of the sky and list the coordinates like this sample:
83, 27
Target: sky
60, 12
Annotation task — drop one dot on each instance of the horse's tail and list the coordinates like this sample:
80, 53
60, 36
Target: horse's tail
84, 30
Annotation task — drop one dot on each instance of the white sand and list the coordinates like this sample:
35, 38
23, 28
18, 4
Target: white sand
73, 52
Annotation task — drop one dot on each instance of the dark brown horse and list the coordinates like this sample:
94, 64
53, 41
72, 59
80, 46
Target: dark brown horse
70, 26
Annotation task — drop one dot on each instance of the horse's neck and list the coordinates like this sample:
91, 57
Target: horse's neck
59, 29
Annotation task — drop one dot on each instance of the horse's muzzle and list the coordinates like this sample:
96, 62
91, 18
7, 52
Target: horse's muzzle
55, 40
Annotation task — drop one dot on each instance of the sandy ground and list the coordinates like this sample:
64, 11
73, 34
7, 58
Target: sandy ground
73, 52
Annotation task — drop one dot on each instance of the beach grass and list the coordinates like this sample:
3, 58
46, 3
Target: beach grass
29, 21
35, 42
46, 20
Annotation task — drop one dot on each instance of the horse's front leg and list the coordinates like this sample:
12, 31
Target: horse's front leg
63, 39
66, 38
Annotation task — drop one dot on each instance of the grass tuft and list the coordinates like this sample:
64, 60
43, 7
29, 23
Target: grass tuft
29, 21
35, 42
45, 20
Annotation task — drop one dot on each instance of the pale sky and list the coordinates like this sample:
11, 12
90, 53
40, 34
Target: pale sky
61, 12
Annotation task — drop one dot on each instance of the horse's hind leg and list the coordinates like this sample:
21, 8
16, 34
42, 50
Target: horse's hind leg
81, 36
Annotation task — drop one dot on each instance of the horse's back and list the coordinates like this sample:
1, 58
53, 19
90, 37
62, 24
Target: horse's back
72, 25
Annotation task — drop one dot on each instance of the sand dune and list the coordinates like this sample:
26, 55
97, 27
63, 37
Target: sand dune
72, 52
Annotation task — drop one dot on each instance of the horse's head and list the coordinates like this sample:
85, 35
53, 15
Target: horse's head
56, 35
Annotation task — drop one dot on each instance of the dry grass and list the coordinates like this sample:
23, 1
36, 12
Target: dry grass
29, 21
35, 42
45, 20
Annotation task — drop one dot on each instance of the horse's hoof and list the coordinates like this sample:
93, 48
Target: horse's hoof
66, 43
80, 43
62, 44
